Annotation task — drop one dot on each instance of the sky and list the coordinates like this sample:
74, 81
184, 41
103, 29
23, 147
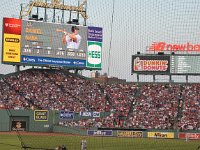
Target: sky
136, 25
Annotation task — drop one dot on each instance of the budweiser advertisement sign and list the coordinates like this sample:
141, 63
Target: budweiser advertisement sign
151, 64
185, 47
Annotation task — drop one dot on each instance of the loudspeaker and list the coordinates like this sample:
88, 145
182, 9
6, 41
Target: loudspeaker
69, 22
160, 53
75, 21
41, 19
35, 17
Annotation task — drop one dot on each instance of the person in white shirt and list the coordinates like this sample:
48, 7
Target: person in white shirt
83, 144
72, 40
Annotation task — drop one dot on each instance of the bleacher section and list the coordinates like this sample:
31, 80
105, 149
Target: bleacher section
144, 106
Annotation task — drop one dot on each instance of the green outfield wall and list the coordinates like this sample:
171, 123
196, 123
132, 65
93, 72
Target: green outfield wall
48, 121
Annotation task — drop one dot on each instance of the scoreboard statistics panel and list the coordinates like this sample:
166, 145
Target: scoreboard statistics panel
27, 42
185, 64
43, 42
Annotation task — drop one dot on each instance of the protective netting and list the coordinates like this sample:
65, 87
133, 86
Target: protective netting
129, 27
136, 25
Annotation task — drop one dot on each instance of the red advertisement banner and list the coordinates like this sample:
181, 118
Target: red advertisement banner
189, 135
163, 46
12, 26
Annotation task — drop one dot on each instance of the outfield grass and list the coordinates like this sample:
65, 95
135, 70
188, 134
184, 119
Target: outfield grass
11, 142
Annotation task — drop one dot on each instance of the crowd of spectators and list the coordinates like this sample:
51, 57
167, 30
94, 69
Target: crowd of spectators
131, 105
191, 110
156, 107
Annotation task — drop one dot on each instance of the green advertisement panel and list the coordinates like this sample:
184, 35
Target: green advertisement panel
94, 55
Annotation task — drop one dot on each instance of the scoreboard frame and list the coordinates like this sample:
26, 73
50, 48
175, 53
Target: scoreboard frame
170, 64
14, 42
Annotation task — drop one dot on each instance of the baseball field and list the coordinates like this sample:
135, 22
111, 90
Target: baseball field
50, 141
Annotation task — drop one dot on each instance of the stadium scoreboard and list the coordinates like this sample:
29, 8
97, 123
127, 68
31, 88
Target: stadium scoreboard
177, 64
188, 64
27, 42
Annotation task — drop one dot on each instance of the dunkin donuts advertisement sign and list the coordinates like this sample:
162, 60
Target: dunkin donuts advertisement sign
151, 64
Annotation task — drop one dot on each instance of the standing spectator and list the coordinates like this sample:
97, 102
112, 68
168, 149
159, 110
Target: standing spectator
83, 144
63, 147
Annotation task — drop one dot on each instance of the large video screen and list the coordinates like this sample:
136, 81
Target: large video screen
151, 64
41, 43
